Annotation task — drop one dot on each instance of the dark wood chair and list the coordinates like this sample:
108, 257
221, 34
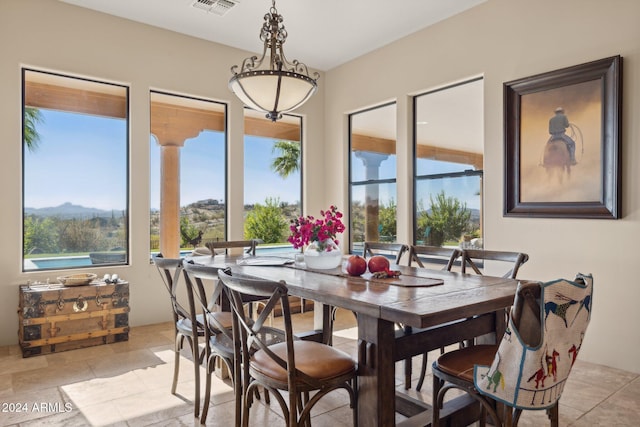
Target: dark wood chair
432, 256
531, 344
295, 366
472, 261
393, 250
188, 325
218, 335
475, 258
224, 246
249, 248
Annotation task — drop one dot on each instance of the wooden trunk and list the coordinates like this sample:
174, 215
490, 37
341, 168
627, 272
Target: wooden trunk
54, 318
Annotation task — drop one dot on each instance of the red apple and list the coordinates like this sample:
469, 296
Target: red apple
356, 265
378, 263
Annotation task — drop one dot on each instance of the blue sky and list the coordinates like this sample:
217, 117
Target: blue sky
62, 169
202, 171
82, 159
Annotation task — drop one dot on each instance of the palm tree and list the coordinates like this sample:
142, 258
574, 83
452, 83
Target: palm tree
288, 159
32, 116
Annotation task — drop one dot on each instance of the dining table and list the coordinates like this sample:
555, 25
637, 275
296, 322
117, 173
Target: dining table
435, 308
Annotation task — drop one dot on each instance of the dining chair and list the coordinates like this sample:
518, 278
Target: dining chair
475, 258
188, 325
297, 367
224, 246
474, 261
396, 250
249, 248
432, 256
217, 325
529, 368
393, 250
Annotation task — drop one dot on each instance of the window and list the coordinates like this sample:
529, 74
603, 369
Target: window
272, 178
372, 171
188, 173
75, 172
448, 165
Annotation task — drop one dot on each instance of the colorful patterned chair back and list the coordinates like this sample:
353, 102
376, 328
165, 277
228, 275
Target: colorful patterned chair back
530, 373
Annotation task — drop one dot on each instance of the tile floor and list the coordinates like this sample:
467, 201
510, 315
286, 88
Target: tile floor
128, 384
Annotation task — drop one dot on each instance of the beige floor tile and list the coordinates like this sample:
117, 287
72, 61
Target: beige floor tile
121, 363
151, 407
104, 389
12, 363
128, 384
37, 379
104, 414
26, 406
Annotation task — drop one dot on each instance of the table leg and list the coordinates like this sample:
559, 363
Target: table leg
376, 372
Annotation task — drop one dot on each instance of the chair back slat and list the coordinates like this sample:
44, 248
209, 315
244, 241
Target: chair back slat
420, 253
170, 270
472, 257
249, 246
382, 248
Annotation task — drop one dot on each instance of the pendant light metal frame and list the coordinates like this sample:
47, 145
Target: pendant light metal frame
282, 74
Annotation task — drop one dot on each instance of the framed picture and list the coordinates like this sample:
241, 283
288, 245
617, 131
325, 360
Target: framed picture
562, 142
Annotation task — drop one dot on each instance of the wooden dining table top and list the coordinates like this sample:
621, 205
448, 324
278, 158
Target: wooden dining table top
445, 296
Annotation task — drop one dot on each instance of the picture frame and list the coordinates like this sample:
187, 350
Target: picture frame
544, 115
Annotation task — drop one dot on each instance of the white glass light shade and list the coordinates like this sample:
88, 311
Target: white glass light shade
272, 91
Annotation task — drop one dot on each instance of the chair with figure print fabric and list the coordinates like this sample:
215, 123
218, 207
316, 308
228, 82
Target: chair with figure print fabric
529, 368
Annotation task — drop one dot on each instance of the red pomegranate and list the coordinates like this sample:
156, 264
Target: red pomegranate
378, 263
356, 265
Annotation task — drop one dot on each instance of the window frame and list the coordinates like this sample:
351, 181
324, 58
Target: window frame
127, 149
424, 177
352, 183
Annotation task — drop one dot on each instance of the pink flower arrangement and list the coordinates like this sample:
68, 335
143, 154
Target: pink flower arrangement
309, 229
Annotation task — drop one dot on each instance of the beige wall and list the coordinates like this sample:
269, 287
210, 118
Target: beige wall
501, 40
51, 35
504, 40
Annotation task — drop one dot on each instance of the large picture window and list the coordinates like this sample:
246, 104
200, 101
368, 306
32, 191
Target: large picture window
75, 172
188, 173
272, 178
372, 171
448, 166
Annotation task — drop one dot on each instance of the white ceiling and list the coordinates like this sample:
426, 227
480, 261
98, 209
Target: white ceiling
322, 34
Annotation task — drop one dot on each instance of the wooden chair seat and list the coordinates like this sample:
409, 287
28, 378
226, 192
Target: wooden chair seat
460, 363
318, 361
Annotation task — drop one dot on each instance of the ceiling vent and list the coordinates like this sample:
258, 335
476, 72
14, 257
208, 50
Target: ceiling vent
219, 7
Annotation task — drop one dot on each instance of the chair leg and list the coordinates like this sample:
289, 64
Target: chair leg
554, 415
207, 389
423, 371
176, 362
435, 408
508, 416
196, 366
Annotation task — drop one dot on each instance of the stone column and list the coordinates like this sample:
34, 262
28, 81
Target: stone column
371, 162
170, 200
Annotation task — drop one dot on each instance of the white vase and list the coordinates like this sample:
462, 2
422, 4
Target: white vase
322, 256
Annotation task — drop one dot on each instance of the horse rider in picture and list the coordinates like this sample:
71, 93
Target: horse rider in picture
558, 125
